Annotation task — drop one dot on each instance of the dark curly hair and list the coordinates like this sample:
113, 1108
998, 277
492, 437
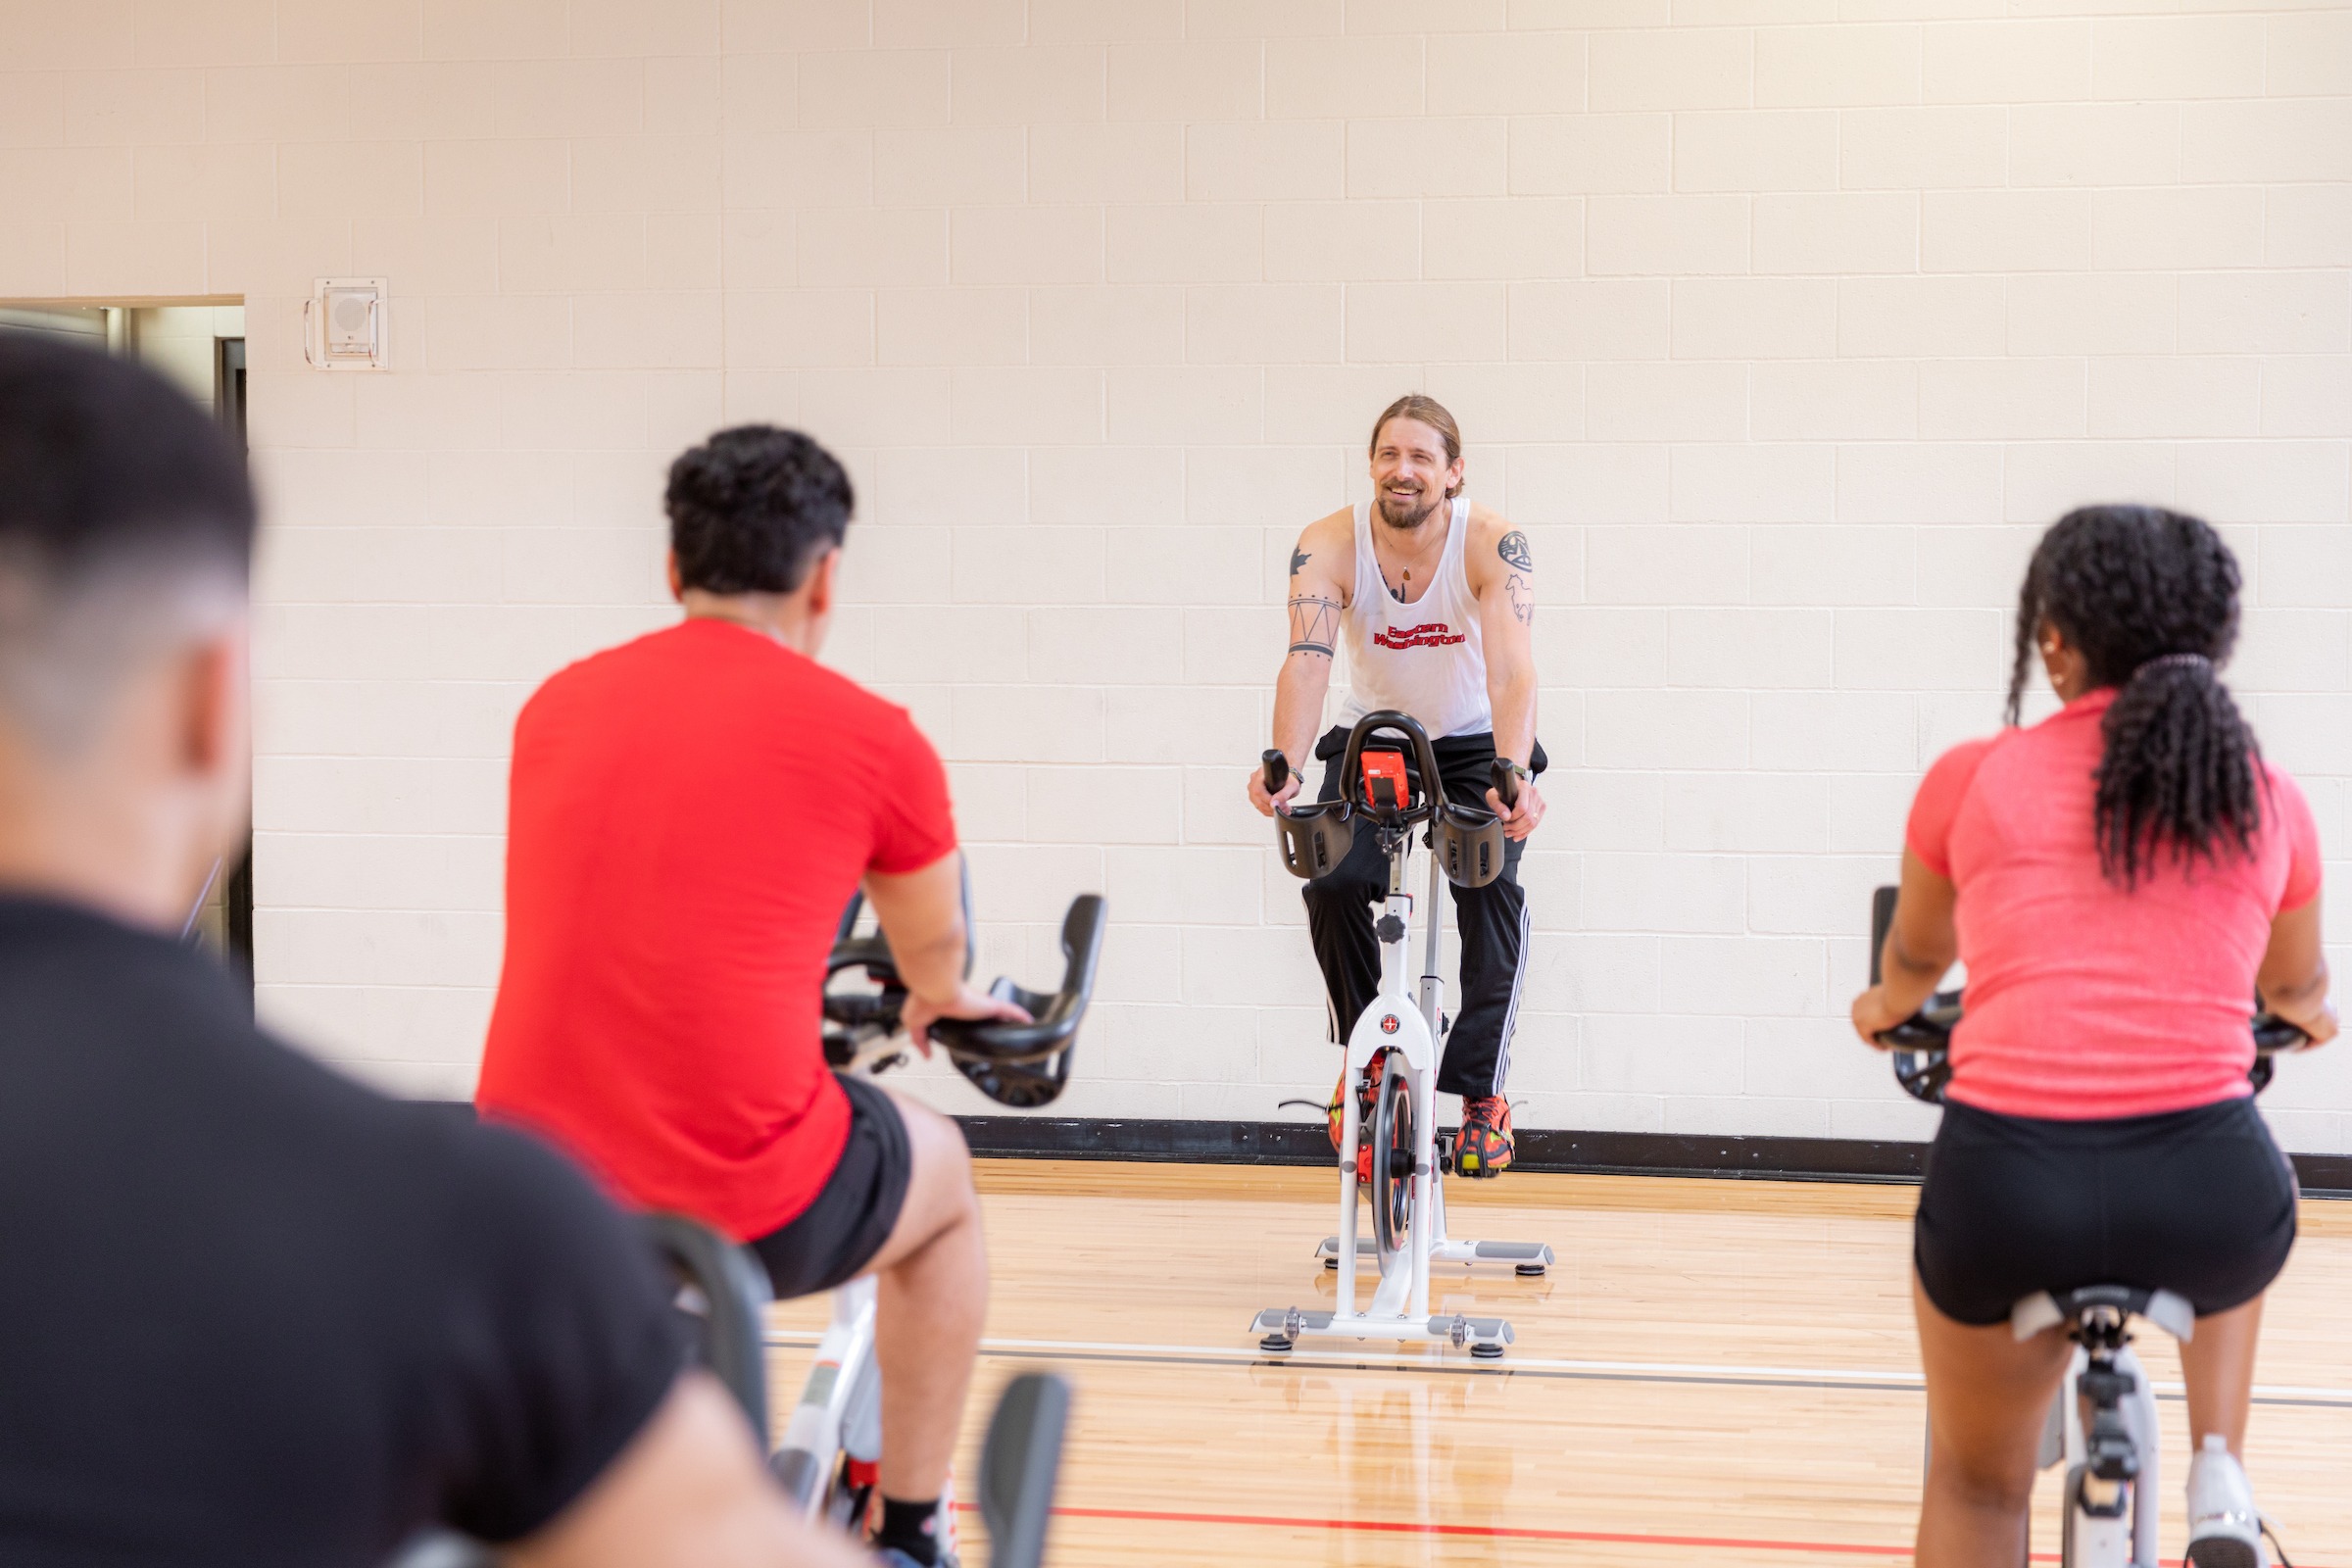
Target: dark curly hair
752, 507
2149, 597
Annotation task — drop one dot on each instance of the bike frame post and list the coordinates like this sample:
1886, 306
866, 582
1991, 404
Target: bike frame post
826, 1417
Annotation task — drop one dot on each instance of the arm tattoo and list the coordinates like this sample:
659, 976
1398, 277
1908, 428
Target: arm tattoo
1314, 624
1523, 598
1512, 548
1298, 561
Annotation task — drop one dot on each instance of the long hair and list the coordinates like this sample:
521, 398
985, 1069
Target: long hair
1430, 411
2149, 597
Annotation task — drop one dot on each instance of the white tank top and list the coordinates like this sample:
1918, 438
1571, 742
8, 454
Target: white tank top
1427, 659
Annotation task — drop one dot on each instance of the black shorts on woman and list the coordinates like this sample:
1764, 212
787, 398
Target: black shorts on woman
2199, 1202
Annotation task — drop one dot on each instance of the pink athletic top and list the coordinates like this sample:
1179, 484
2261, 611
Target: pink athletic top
2086, 1002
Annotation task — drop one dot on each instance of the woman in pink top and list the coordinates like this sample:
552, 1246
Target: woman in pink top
2120, 879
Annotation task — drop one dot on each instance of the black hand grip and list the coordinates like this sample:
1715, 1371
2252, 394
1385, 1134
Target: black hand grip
1278, 770
1881, 918
1506, 783
2274, 1034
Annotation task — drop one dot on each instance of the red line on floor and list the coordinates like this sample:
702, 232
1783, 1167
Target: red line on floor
1496, 1530
1487, 1532
1484, 1531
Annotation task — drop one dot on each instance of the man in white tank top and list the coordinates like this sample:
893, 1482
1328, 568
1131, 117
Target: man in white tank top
1433, 599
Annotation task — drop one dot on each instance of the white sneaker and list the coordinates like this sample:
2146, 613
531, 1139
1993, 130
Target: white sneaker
2225, 1531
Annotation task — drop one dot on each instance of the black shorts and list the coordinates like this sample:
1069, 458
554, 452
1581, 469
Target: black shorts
2199, 1202
838, 1235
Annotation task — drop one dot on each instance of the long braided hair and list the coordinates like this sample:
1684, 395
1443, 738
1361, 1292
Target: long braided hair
2149, 597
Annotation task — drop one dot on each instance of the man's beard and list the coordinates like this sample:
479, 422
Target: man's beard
1409, 517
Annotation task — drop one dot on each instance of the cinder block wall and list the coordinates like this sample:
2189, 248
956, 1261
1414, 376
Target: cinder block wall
1780, 327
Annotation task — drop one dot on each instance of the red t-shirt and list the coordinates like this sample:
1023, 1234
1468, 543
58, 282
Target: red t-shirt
2084, 1001
688, 815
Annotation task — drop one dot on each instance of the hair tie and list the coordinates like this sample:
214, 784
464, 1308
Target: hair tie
2182, 660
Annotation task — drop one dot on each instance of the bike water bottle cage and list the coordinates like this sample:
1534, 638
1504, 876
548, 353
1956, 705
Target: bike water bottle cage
1469, 843
1315, 838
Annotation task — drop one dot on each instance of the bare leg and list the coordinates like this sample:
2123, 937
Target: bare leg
2217, 1366
931, 1297
1987, 1396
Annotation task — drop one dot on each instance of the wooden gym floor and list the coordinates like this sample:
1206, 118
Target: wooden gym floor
1716, 1372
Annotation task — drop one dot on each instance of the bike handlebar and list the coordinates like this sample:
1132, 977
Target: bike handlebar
1506, 783
1278, 770
1922, 1043
1424, 755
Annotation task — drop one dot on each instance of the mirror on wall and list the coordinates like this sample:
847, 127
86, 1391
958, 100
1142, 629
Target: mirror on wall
200, 346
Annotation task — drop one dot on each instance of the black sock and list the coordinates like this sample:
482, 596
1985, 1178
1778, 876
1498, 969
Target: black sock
912, 1528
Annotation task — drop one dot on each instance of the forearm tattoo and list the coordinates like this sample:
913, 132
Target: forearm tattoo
1314, 624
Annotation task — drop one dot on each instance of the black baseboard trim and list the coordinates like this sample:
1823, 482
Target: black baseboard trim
1539, 1149
1172, 1140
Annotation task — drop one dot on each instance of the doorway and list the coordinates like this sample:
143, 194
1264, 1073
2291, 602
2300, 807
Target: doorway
199, 346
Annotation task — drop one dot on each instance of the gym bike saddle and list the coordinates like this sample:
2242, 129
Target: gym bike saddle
2048, 1308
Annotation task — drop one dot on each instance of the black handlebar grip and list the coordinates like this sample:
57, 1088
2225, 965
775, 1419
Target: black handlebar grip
1278, 770
1881, 918
1506, 783
2274, 1034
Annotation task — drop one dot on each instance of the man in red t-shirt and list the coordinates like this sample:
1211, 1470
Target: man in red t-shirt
688, 815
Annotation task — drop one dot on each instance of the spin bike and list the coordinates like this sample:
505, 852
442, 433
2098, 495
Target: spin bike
832, 1442
724, 1298
1401, 1029
2104, 1421
832, 1439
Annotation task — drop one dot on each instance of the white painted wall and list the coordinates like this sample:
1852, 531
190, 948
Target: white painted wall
1780, 326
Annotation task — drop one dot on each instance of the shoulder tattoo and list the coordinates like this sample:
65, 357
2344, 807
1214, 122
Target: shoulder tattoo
1512, 548
1522, 599
1298, 561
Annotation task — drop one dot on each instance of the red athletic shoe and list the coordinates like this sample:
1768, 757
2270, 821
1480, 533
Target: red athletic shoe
1336, 1121
1484, 1147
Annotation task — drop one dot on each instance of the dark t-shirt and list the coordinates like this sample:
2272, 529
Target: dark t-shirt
251, 1313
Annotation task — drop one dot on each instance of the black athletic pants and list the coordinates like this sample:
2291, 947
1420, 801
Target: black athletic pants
1491, 920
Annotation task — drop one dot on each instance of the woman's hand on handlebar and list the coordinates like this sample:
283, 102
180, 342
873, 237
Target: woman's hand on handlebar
1874, 1014
2319, 1025
1519, 818
921, 1013
1266, 802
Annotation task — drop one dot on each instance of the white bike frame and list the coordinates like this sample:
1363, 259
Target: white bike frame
2124, 1534
1406, 1022
838, 1412
840, 1408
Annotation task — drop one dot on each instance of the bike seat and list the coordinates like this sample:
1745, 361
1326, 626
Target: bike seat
2046, 1309
1026, 1064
